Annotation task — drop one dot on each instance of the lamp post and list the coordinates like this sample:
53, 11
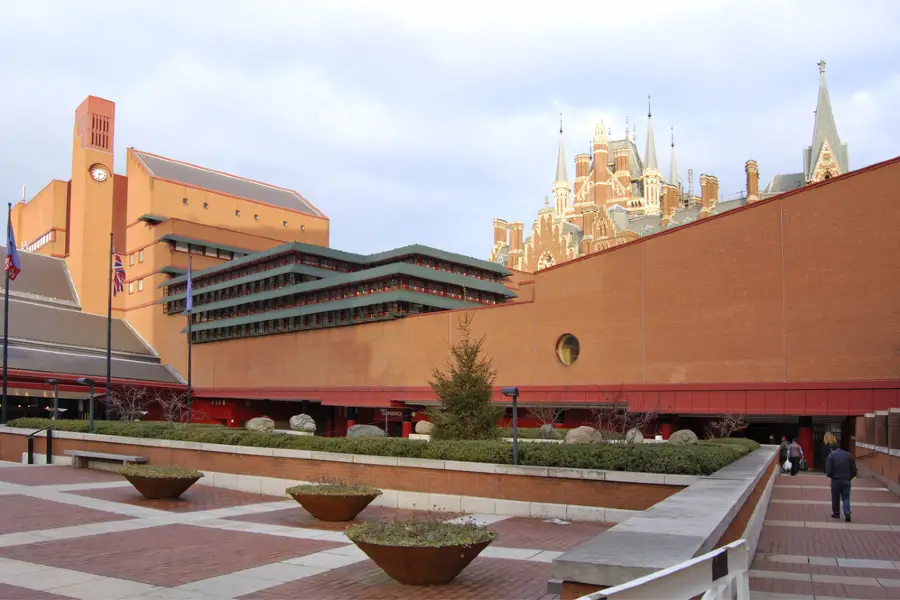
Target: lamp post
513, 392
55, 383
90, 384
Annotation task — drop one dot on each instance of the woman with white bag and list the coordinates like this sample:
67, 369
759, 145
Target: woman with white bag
795, 456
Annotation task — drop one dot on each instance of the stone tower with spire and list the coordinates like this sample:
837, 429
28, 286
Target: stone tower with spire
561, 187
827, 156
651, 175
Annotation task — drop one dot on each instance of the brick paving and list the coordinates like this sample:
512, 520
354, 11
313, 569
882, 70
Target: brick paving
53, 475
79, 533
484, 578
199, 497
804, 552
21, 513
519, 532
170, 555
297, 517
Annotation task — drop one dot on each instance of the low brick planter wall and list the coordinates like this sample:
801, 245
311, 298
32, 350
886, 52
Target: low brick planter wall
880, 462
715, 510
578, 494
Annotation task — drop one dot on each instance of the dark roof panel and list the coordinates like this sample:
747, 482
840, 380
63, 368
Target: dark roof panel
215, 181
69, 327
52, 361
42, 276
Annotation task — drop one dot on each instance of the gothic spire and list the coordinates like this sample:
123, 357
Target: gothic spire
673, 167
561, 156
650, 154
825, 130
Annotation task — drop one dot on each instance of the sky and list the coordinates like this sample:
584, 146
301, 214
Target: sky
420, 122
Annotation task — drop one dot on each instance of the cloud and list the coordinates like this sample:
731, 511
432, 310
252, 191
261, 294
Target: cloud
409, 122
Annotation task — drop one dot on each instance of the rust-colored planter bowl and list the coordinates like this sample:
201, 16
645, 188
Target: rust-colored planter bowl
422, 565
161, 488
330, 507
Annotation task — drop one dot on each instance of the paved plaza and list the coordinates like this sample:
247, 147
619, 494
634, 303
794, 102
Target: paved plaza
804, 554
78, 533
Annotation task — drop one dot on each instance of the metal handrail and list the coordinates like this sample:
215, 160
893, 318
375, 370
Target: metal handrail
49, 449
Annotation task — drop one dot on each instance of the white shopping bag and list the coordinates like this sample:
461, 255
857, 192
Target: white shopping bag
787, 465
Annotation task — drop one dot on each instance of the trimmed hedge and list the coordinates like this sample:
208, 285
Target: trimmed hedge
702, 458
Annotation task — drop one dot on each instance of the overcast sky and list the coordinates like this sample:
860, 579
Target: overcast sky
420, 121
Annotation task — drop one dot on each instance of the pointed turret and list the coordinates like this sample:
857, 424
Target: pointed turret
827, 156
650, 154
561, 174
561, 183
673, 167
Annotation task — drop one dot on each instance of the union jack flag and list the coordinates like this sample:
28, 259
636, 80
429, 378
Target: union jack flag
118, 273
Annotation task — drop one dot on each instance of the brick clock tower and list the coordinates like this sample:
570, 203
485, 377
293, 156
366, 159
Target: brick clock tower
91, 202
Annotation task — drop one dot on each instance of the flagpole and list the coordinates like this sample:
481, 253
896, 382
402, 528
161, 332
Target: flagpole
190, 315
4, 411
109, 293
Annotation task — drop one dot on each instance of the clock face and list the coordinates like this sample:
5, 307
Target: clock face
99, 174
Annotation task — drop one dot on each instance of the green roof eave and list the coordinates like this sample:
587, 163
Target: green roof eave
171, 237
283, 270
238, 262
345, 304
153, 219
348, 279
170, 270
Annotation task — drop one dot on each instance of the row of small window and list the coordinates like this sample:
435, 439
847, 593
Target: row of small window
139, 255
237, 213
139, 284
40, 242
203, 250
335, 318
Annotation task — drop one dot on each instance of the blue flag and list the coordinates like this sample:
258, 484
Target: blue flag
13, 265
189, 301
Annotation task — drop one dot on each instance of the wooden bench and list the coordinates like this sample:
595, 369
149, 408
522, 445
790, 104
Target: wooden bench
81, 459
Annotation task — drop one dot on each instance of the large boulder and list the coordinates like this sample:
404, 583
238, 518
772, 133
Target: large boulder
424, 427
634, 436
261, 424
303, 423
547, 432
365, 431
583, 435
683, 436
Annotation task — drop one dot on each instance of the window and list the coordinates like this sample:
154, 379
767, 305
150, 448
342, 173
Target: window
237, 212
567, 349
256, 217
284, 223
211, 252
181, 247
206, 205
226, 254
184, 200
40, 242
303, 228
140, 285
130, 259
131, 287
140, 256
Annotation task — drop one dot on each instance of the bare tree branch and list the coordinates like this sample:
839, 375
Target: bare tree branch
723, 428
128, 402
545, 415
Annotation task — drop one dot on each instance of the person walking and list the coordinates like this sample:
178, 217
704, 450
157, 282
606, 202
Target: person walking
840, 468
783, 453
829, 442
795, 453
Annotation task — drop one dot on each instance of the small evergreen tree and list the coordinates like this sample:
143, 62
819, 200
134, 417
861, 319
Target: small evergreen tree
465, 389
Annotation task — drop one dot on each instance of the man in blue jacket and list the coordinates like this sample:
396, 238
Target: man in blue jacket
840, 467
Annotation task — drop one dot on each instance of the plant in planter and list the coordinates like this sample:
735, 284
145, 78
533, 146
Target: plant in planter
423, 550
333, 501
161, 482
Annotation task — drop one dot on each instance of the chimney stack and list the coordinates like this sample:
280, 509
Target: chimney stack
516, 232
752, 170
500, 228
670, 202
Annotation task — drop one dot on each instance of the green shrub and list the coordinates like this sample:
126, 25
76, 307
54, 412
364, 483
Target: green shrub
430, 532
702, 458
332, 489
160, 472
531, 433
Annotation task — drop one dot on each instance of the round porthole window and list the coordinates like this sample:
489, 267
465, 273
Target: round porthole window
567, 348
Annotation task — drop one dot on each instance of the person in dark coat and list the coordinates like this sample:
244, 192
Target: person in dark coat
783, 453
840, 468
